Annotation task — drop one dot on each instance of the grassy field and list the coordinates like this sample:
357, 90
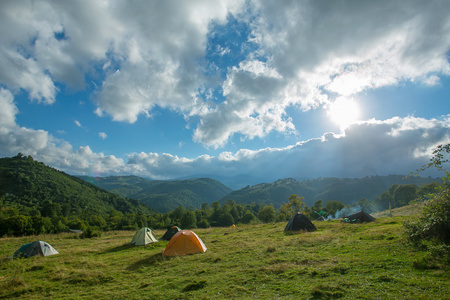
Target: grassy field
347, 261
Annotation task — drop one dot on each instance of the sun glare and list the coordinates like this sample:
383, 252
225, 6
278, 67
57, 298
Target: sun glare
344, 112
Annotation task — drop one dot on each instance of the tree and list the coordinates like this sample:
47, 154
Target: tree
428, 190
432, 231
382, 202
178, 212
365, 205
188, 220
225, 219
333, 206
404, 194
267, 214
295, 204
203, 223
317, 207
18, 225
248, 217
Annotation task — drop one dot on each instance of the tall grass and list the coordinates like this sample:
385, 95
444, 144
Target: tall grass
347, 261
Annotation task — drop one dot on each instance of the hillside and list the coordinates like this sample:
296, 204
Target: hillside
164, 195
29, 186
345, 190
338, 261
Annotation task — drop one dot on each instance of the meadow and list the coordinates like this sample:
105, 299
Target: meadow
339, 260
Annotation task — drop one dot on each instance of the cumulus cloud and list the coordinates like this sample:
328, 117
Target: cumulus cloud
393, 146
374, 147
318, 49
8, 109
299, 55
148, 54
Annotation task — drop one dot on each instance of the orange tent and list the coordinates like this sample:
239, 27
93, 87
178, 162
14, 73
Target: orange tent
184, 242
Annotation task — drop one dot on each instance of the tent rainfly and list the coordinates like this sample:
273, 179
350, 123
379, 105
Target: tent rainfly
359, 217
170, 233
184, 242
143, 237
35, 248
299, 222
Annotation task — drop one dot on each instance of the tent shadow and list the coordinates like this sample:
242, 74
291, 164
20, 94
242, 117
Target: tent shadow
149, 261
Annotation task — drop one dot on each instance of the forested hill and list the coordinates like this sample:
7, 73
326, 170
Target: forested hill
32, 187
164, 195
345, 190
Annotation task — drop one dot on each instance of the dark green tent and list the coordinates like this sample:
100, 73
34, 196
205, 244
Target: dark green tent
359, 217
170, 233
299, 222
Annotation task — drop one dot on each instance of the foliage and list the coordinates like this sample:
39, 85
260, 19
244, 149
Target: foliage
267, 214
294, 205
432, 230
38, 199
188, 220
403, 194
333, 207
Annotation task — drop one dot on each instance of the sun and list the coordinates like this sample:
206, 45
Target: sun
344, 112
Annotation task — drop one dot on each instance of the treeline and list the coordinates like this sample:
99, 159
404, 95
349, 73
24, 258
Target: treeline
51, 217
400, 195
36, 199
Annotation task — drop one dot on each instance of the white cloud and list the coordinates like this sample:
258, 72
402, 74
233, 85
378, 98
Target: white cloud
102, 135
8, 109
77, 123
149, 54
393, 146
345, 48
367, 148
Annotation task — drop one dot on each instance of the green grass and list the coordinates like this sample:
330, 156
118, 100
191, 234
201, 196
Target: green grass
347, 261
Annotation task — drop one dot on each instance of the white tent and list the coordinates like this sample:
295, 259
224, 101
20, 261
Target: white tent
143, 237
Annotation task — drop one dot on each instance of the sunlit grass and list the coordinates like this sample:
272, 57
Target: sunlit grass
339, 260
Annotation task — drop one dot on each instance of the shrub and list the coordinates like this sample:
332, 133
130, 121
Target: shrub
267, 214
90, 232
203, 223
432, 230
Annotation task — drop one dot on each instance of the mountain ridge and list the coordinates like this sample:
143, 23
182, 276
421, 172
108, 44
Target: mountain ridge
164, 195
31, 185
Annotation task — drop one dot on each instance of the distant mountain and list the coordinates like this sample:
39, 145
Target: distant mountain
30, 185
164, 195
234, 182
345, 190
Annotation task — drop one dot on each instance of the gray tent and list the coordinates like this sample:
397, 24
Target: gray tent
143, 237
35, 248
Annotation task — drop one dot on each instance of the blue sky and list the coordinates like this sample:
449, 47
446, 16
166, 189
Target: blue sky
265, 89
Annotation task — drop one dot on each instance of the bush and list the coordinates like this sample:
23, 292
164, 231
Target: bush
248, 218
432, 231
267, 214
203, 223
91, 232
